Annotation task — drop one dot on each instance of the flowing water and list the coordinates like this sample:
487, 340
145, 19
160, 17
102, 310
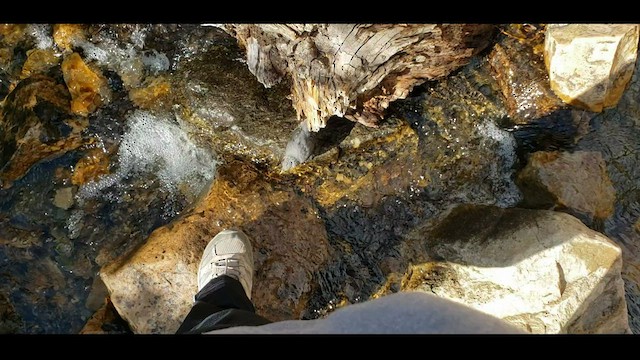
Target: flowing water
446, 144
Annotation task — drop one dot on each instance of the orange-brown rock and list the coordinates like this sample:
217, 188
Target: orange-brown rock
35, 124
88, 88
66, 35
99, 322
154, 90
90, 167
518, 67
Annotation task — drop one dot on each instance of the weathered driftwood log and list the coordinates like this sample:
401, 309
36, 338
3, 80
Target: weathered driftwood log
355, 70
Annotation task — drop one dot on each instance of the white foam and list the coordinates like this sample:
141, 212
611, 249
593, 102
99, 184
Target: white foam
156, 145
93, 52
502, 168
106, 52
155, 61
74, 223
42, 34
138, 35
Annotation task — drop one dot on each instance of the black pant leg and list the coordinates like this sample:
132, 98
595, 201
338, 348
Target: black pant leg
220, 304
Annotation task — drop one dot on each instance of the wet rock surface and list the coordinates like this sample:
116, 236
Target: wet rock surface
36, 124
189, 143
244, 118
518, 67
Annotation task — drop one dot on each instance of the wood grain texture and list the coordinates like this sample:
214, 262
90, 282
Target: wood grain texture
355, 70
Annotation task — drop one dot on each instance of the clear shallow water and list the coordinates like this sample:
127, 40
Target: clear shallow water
455, 152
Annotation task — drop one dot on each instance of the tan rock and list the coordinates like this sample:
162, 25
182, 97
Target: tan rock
153, 288
88, 88
63, 198
590, 65
576, 181
543, 271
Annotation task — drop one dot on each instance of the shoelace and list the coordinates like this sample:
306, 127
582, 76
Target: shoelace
229, 266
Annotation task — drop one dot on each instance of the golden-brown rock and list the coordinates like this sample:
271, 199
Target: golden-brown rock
153, 93
39, 61
11, 34
161, 275
67, 35
88, 88
521, 75
576, 181
36, 124
94, 164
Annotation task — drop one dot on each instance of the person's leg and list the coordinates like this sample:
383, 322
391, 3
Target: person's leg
225, 279
220, 304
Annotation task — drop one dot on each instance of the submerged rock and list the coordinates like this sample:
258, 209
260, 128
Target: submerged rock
88, 88
576, 182
222, 103
10, 321
64, 198
542, 271
518, 66
36, 123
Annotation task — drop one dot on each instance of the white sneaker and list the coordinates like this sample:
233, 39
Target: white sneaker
228, 253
